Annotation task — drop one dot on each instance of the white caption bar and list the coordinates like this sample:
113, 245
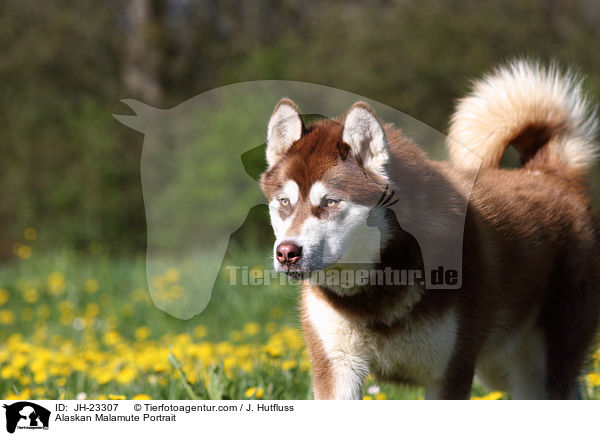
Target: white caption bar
299, 417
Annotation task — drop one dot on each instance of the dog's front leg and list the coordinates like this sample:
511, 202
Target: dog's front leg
336, 350
348, 375
338, 378
456, 384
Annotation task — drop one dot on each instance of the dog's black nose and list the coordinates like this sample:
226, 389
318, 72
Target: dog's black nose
288, 253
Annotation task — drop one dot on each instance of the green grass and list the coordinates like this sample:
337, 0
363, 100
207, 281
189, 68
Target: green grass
84, 325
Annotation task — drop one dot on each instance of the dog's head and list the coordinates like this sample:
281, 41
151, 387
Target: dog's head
322, 183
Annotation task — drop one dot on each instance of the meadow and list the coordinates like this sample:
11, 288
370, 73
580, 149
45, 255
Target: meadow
83, 326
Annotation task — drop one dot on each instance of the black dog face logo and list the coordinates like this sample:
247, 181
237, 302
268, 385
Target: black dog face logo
24, 414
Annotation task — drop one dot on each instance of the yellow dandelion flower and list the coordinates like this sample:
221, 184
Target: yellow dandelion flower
12, 397
126, 375
4, 296
30, 234
593, 379
91, 286
274, 349
66, 319
116, 397
304, 365
229, 363
31, 295
158, 282
24, 252
254, 392
142, 333
25, 380
103, 377
172, 275
19, 361
8, 372
92, 310
367, 397
141, 397
56, 283
4, 355
183, 338
191, 377
246, 366
491, 396
252, 328
380, 396
200, 331
40, 376
288, 364
79, 365
111, 337
7, 317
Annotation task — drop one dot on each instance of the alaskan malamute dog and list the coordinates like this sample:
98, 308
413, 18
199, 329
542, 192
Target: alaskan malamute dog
526, 314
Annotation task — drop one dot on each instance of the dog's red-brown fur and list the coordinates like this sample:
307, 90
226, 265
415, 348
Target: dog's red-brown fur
531, 254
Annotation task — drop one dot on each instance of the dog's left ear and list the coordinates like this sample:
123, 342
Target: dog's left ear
365, 135
285, 128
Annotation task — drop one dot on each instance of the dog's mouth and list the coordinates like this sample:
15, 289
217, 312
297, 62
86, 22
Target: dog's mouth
304, 267
296, 272
296, 275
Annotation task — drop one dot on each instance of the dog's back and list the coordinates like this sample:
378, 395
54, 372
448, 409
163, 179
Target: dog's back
528, 308
531, 252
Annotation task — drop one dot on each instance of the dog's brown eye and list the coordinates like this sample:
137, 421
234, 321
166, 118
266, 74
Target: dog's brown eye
331, 202
284, 202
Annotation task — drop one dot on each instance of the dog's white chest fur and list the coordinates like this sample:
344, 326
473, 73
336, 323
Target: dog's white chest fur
420, 351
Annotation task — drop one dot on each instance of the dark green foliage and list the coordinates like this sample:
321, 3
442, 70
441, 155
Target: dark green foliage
72, 172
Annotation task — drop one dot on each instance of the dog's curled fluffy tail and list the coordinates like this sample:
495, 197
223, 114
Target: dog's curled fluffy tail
543, 113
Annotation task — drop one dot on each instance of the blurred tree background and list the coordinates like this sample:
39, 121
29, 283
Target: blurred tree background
71, 171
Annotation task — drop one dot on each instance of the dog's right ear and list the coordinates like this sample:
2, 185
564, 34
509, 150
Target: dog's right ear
285, 128
366, 137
